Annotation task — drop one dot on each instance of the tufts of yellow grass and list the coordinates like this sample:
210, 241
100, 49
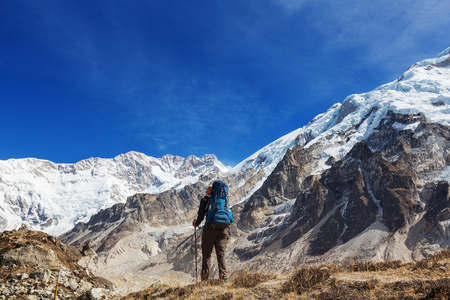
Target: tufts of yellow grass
425, 279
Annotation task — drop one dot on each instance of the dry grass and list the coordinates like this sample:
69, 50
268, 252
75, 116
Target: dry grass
250, 280
425, 279
306, 279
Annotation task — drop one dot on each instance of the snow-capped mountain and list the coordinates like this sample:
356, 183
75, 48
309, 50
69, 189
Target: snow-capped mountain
367, 179
424, 87
53, 197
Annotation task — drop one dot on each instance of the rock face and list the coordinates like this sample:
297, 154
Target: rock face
282, 185
389, 179
168, 209
357, 191
30, 254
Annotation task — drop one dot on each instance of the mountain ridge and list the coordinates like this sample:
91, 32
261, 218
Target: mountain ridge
53, 197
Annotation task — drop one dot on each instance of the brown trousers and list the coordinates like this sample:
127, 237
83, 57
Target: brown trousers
218, 239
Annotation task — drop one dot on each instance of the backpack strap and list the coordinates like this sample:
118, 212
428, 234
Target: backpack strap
206, 199
215, 200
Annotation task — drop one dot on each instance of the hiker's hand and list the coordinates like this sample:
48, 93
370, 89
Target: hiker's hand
194, 223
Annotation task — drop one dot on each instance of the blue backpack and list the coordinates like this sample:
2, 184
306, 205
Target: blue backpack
219, 214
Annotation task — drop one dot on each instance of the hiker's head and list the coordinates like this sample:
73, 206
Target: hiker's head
208, 190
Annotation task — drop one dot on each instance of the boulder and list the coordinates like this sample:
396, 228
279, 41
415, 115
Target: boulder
32, 255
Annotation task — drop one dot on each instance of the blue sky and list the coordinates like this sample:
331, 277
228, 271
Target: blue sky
82, 79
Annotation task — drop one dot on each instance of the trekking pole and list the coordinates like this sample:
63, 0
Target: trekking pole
195, 250
57, 284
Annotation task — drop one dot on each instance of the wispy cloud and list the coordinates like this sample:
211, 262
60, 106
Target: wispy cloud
384, 29
380, 35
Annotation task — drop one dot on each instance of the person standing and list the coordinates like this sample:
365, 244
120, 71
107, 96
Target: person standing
214, 205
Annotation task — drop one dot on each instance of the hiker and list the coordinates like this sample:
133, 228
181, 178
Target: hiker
215, 232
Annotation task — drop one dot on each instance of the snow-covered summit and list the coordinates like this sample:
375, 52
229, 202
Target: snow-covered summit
445, 52
424, 87
53, 197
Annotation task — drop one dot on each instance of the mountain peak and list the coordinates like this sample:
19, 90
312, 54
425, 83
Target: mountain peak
424, 87
445, 52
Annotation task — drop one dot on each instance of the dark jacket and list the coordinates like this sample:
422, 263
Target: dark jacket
202, 210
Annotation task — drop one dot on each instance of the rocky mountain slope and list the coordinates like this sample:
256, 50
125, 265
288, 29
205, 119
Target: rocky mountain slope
152, 232
54, 197
372, 204
32, 261
368, 180
372, 185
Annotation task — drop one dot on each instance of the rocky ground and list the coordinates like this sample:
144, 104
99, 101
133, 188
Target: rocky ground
30, 262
